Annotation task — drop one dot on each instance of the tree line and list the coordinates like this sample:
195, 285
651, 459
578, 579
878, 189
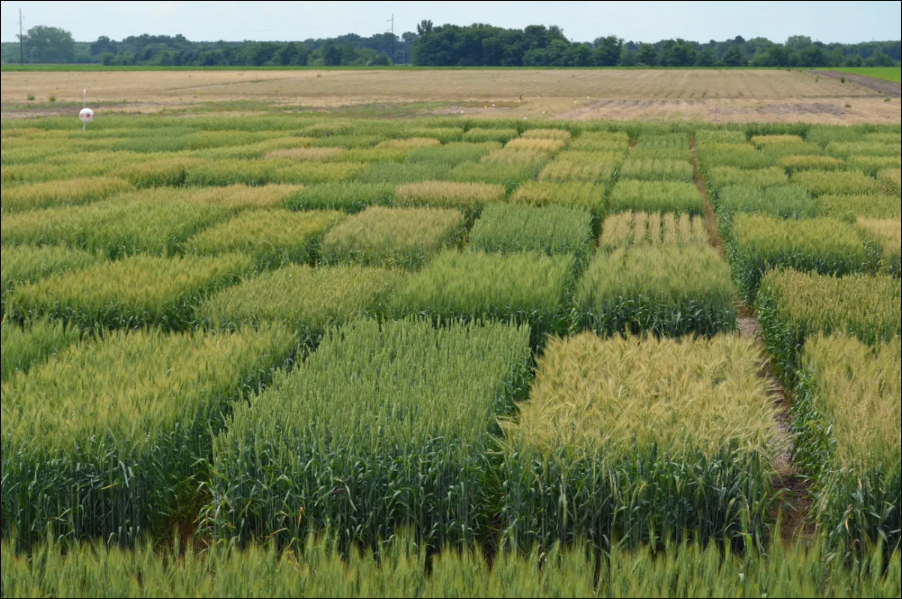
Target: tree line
539, 46
52, 45
477, 45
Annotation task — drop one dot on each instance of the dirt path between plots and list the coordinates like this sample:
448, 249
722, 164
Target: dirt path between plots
889, 88
795, 504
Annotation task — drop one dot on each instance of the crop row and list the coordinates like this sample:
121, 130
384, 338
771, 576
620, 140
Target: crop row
400, 569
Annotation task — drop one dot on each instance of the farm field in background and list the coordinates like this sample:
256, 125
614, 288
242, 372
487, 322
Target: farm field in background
450, 355
709, 95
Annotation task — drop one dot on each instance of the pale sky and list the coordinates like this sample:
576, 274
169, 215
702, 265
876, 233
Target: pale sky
582, 21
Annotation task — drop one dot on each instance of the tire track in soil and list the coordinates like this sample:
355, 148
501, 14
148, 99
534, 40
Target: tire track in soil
796, 502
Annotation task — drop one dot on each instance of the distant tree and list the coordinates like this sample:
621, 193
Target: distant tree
779, 56
813, 56
607, 51
733, 57
706, 58
49, 45
647, 55
837, 58
102, 46
579, 55
493, 51
331, 54
798, 42
381, 60
678, 54
854, 61
879, 59
287, 55
627, 58
424, 28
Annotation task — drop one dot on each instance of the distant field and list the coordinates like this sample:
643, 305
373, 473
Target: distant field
710, 95
885, 73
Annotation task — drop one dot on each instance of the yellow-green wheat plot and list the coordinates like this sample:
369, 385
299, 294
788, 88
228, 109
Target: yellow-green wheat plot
844, 150
273, 237
535, 144
657, 170
447, 194
565, 171
873, 165
481, 135
732, 155
761, 243
409, 144
577, 195
656, 196
112, 435
394, 237
724, 176
891, 179
241, 197
820, 183
347, 196
170, 171
887, 234
306, 154
534, 157
768, 140
810, 163
24, 347
558, 134
551, 230
152, 221
131, 293
665, 290
601, 450
25, 264
851, 207
70, 192
530, 288
847, 418
793, 306
310, 300
653, 229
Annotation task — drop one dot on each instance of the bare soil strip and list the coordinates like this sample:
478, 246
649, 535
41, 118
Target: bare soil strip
888, 88
795, 488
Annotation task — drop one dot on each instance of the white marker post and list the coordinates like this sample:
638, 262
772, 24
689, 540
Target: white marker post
86, 115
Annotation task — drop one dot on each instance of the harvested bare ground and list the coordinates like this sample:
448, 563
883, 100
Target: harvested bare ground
659, 95
889, 88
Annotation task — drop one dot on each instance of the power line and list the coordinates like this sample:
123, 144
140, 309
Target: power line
392, 20
21, 40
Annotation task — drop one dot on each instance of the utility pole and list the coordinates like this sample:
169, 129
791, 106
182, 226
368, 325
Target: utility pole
21, 40
392, 21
